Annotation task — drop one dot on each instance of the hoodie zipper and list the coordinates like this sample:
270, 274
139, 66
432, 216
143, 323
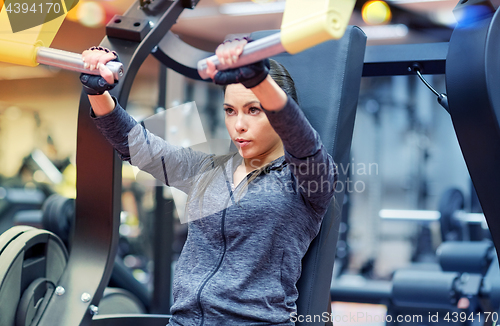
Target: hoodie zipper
223, 221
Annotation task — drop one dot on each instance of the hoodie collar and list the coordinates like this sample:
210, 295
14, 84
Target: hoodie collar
273, 165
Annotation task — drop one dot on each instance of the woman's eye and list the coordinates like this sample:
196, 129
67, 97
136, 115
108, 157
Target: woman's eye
229, 111
254, 110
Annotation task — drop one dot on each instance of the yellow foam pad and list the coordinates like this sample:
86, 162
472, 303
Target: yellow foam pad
307, 23
21, 47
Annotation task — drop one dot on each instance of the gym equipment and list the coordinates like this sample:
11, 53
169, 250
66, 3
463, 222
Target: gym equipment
466, 257
15, 200
96, 207
30, 217
32, 263
441, 97
474, 102
450, 203
119, 301
47, 167
469, 270
57, 216
305, 24
343, 65
455, 223
434, 289
429, 292
98, 202
29, 47
73, 61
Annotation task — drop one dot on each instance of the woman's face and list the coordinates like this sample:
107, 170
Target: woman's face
248, 125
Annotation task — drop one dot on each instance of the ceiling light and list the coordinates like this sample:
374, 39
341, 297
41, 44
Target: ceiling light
91, 14
385, 31
376, 13
251, 8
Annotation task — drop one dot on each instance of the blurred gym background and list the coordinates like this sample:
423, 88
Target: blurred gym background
405, 155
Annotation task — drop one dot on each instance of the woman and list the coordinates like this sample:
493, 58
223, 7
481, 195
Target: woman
253, 213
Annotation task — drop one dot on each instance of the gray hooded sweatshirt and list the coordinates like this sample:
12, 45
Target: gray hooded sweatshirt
242, 258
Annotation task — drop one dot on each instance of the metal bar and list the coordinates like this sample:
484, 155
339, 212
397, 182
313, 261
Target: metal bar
409, 215
375, 292
163, 240
46, 165
394, 60
162, 86
429, 216
379, 60
73, 61
252, 52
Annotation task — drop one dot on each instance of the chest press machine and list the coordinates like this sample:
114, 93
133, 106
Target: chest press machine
40, 284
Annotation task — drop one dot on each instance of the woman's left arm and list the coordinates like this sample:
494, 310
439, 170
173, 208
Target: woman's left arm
314, 170
270, 95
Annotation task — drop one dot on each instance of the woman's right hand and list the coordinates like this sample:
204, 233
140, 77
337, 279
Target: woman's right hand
97, 59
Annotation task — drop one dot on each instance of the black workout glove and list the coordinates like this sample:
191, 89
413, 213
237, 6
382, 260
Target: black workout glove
95, 84
250, 75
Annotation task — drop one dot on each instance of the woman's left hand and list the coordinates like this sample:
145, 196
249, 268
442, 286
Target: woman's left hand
254, 76
249, 75
228, 53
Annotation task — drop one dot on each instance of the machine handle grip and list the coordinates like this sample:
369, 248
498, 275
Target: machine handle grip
73, 61
252, 52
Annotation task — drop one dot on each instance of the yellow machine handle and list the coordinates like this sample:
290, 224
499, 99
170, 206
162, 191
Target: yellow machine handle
307, 23
21, 47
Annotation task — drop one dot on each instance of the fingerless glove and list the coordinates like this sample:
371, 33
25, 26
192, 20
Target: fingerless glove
250, 75
95, 84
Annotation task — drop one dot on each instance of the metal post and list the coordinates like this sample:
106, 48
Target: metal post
163, 237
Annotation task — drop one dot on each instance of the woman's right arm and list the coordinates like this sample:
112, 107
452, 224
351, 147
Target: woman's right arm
102, 104
174, 165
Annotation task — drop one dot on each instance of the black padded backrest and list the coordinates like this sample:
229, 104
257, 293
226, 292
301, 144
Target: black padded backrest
327, 78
